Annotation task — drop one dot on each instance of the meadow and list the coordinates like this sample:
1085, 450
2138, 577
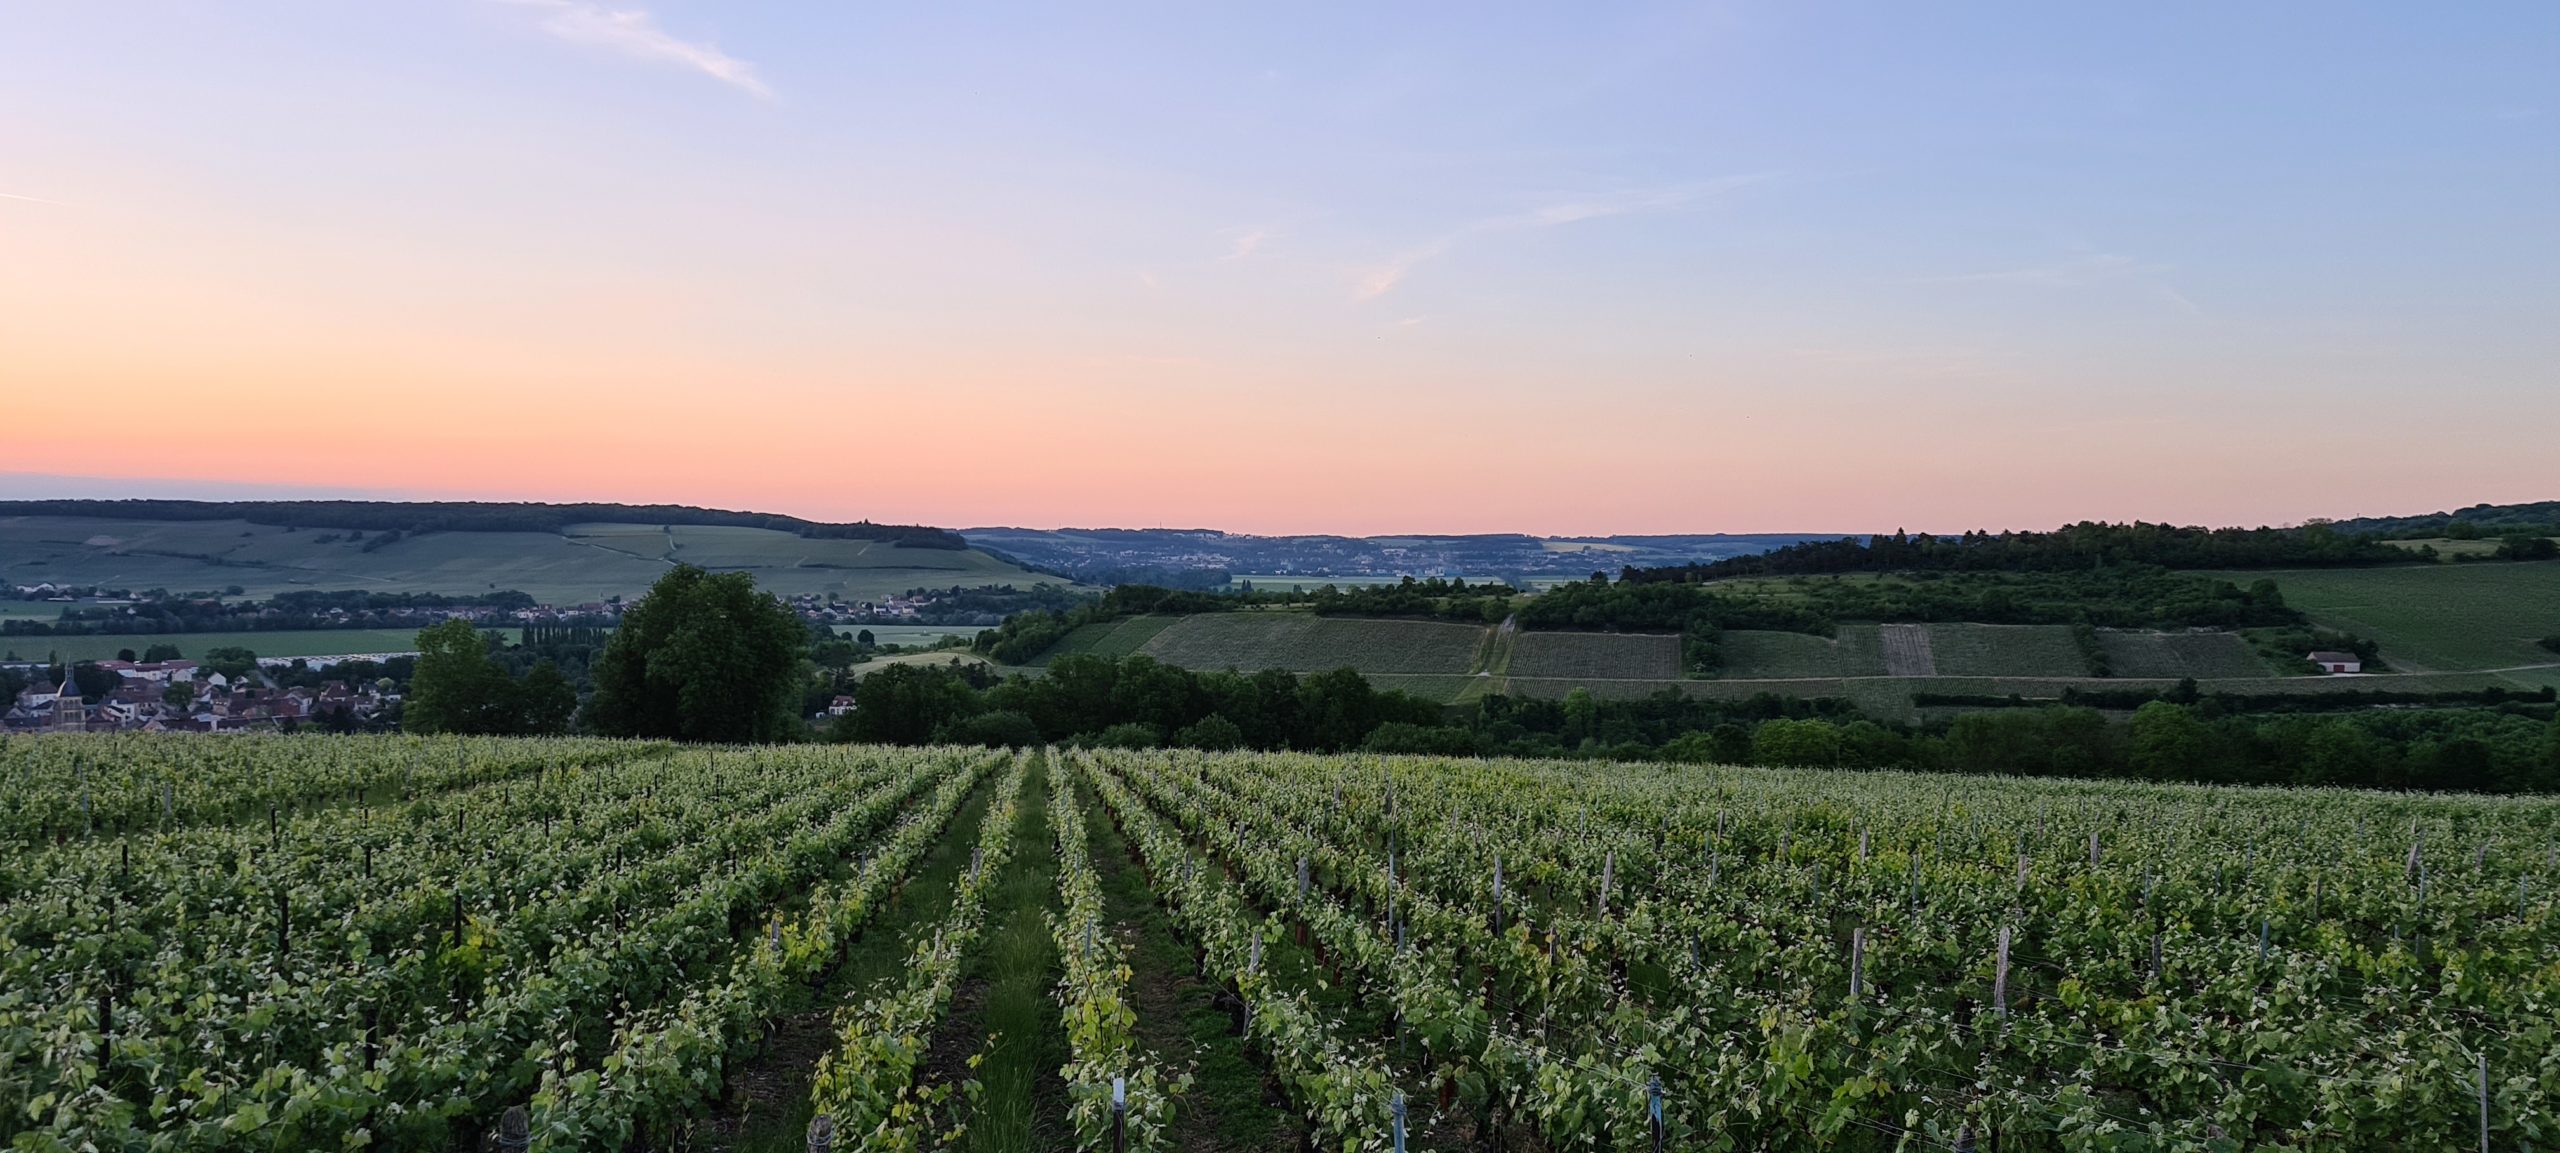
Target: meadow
588, 563
423, 944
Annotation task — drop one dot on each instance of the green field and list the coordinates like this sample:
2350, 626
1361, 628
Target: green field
587, 563
1108, 639
1304, 642
278, 643
2437, 618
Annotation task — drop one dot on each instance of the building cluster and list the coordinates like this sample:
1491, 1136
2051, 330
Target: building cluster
182, 697
895, 607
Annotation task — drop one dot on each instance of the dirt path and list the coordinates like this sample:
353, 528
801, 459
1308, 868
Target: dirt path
1233, 1106
766, 1106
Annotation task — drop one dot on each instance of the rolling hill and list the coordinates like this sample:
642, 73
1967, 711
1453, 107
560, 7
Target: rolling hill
573, 563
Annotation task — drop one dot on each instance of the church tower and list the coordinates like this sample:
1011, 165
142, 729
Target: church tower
68, 715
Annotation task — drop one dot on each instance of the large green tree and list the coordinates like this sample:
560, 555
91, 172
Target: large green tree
703, 657
459, 687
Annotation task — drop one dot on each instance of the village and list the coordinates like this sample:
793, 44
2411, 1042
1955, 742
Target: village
183, 696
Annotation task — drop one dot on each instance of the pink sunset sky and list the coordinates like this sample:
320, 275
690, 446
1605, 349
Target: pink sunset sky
1730, 268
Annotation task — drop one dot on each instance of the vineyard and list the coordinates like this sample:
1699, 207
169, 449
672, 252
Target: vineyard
406, 943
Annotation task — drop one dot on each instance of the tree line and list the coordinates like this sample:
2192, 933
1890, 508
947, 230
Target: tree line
2088, 544
415, 517
1131, 701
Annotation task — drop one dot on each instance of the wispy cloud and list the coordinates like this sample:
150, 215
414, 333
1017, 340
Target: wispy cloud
1379, 279
1243, 244
32, 199
636, 34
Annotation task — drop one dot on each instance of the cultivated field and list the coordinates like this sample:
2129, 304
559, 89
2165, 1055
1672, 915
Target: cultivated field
589, 563
1963, 650
2441, 618
276, 943
1858, 651
2204, 656
1304, 642
1565, 654
1108, 639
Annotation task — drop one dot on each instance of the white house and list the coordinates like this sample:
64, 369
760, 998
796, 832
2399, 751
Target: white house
2330, 662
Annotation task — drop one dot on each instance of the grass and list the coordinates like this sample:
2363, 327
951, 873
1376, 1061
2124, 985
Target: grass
1304, 642
1022, 1103
279, 643
2436, 618
587, 563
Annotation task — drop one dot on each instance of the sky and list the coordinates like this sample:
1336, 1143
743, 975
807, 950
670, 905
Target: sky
1361, 268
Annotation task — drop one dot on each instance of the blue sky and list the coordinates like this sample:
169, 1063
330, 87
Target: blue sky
1411, 267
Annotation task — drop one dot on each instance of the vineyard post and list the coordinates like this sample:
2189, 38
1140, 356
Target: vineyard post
515, 1130
1862, 846
2155, 958
1397, 1109
1608, 869
2093, 848
1302, 877
2000, 977
1857, 962
2262, 941
1653, 1107
1497, 893
1119, 1114
2483, 1082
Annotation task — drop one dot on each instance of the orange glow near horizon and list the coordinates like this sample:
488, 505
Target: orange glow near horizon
436, 254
